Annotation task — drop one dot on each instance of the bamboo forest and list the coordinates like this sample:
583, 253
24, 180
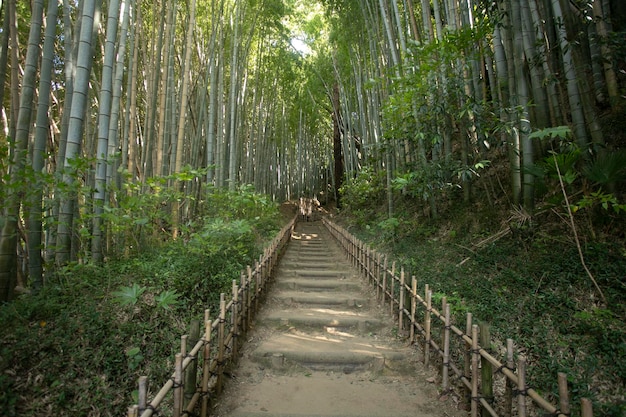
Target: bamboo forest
151, 149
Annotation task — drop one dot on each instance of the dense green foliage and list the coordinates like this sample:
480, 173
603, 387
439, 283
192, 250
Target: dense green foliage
521, 274
83, 341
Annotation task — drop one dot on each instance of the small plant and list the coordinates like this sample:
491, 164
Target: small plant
134, 358
128, 295
167, 299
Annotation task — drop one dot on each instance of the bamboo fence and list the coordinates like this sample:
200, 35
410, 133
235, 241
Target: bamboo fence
198, 375
464, 354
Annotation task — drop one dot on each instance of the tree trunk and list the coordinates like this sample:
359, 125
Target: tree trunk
42, 130
113, 142
104, 118
575, 102
337, 151
521, 101
186, 70
75, 131
232, 134
8, 245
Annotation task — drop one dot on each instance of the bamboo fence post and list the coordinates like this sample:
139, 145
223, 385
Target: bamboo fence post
401, 301
249, 314
521, 387
378, 260
362, 257
361, 252
413, 308
235, 317
486, 377
467, 362
475, 357
446, 349
586, 407
391, 285
133, 411
191, 374
221, 339
349, 245
368, 262
384, 284
444, 303
257, 289
206, 365
178, 385
142, 397
508, 393
428, 295
357, 255
244, 297
563, 394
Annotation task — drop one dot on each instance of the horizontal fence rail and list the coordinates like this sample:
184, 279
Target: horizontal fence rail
464, 352
198, 375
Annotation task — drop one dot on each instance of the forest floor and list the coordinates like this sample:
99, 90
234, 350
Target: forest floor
322, 346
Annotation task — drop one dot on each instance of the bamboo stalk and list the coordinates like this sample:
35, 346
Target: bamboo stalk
446, 349
446, 325
361, 250
244, 298
586, 407
475, 357
413, 308
563, 394
508, 393
428, 295
257, 291
486, 369
235, 318
384, 285
133, 411
368, 263
206, 366
391, 285
467, 362
378, 260
221, 340
191, 374
401, 302
249, 314
521, 386
178, 385
142, 396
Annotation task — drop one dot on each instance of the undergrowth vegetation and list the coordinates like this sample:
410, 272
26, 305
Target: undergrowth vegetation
520, 273
78, 346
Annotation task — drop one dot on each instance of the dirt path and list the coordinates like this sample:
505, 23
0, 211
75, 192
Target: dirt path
322, 346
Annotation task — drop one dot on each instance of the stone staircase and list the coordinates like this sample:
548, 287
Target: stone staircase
322, 346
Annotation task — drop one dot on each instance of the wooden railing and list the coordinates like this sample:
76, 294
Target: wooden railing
466, 353
199, 371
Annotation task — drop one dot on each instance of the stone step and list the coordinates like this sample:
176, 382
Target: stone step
339, 351
293, 265
320, 273
334, 394
345, 299
320, 318
309, 285
307, 257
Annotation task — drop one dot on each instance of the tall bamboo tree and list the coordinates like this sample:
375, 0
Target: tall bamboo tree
9, 237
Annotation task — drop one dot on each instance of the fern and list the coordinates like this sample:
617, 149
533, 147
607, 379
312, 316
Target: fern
128, 295
167, 299
607, 168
